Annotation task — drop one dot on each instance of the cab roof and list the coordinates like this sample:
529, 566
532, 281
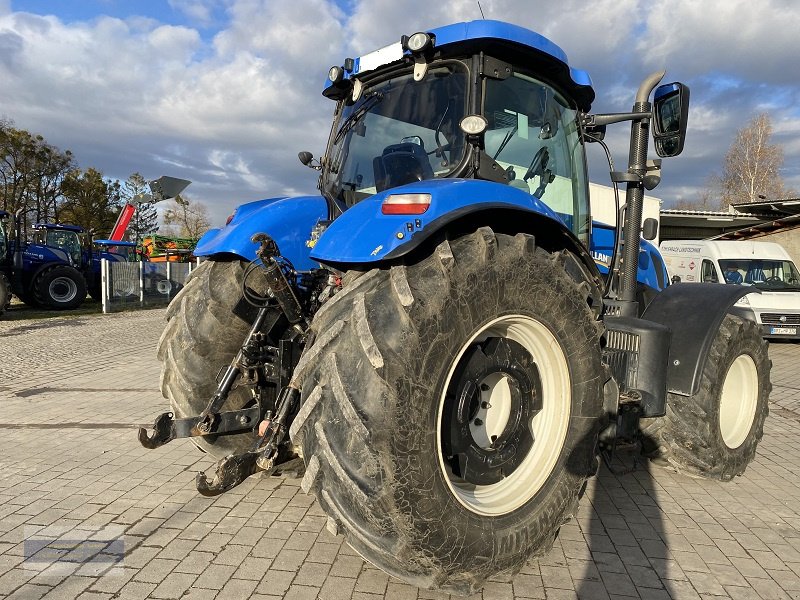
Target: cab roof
505, 41
74, 228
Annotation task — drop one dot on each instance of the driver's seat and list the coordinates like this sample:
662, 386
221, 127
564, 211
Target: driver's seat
401, 164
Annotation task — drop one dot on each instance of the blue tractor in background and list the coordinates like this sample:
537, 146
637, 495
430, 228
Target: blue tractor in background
50, 270
442, 339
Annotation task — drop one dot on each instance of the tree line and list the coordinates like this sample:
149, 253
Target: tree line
48, 186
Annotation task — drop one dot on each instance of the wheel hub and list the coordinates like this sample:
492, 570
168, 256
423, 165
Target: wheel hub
493, 396
62, 289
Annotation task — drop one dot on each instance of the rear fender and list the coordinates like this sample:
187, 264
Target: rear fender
694, 313
363, 234
288, 221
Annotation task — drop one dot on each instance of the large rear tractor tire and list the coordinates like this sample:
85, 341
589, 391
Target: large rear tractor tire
200, 340
714, 433
60, 288
450, 408
5, 293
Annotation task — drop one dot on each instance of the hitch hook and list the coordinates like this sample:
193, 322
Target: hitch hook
230, 472
163, 432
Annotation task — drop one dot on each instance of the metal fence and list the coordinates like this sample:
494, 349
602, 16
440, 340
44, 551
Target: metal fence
137, 284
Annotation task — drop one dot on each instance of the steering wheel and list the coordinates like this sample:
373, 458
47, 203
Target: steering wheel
538, 164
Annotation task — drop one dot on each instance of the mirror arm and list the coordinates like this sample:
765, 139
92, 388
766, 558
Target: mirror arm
608, 119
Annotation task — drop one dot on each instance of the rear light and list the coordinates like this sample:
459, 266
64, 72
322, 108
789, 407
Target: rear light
230, 218
406, 204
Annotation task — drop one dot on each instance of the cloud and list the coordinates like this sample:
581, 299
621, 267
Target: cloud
228, 97
752, 41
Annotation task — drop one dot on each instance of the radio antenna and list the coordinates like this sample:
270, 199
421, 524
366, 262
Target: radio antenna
481, 9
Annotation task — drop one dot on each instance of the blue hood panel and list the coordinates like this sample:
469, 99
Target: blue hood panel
288, 221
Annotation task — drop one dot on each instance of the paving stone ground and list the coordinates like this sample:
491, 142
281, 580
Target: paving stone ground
129, 524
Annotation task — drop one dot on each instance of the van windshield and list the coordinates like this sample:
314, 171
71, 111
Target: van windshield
773, 275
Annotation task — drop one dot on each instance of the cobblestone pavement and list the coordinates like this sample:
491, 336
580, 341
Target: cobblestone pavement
71, 469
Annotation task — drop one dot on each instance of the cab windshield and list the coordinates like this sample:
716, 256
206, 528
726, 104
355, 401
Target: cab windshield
773, 275
533, 134
397, 132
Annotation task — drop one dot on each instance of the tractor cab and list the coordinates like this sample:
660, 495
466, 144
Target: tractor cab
60, 239
434, 106
114, 250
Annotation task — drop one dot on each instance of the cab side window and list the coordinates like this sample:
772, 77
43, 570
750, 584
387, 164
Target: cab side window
708, 272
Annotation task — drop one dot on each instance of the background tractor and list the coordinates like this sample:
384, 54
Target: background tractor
50, 270
442, 337
60, 263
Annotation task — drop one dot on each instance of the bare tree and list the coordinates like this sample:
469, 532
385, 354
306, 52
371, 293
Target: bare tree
31, 173
190, 218
752, 165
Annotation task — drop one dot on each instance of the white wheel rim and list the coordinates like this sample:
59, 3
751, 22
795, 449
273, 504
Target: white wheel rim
62, 289
739, 401
549, 426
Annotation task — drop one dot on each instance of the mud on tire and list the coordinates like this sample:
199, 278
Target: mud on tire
714, 433
395, 379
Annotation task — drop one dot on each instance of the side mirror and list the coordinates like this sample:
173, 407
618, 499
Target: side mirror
650, 229
307, 159
670, 114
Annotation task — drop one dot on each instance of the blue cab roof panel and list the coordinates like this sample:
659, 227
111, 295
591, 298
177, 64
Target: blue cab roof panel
75, 228
577, 82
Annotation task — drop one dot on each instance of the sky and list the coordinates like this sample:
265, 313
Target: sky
225, 93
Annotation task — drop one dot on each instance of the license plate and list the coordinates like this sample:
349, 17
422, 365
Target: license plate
783, 330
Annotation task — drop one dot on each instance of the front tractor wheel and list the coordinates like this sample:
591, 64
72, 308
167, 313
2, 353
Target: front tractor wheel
714, 433
451, 408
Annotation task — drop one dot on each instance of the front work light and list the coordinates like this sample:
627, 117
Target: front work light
406, 204
419, 42
335, 74
473, 124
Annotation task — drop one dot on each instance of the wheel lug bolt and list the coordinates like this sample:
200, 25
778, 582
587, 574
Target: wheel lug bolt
484, 387
485, 404
478, 422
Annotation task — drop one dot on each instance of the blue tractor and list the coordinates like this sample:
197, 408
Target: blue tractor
441, 337
50, 270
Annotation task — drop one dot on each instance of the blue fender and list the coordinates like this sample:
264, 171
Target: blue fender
363, 234
288, 221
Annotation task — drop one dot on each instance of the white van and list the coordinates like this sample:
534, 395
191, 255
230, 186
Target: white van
764, 265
